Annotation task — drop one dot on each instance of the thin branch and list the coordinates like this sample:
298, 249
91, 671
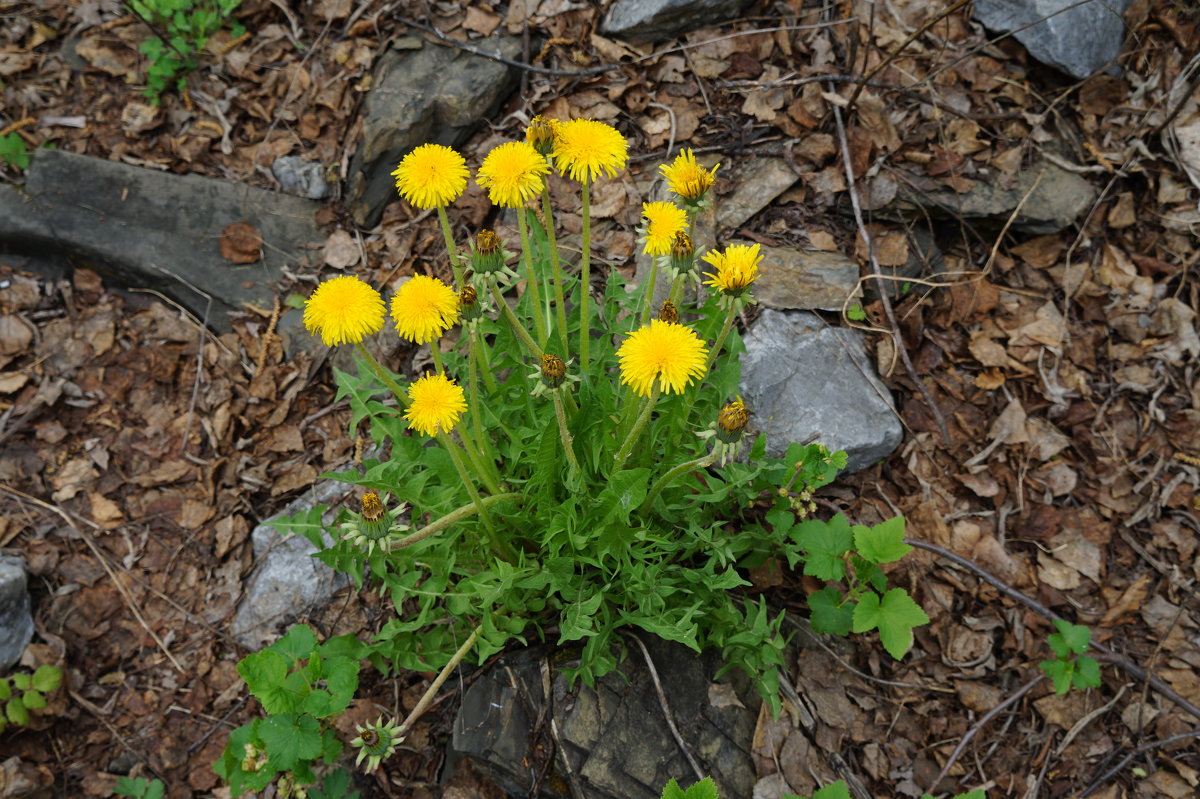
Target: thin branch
1141, 750
884, 299
662, 701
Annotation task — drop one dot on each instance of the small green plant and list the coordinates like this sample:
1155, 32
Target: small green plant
13, 152
139, 788
704, 789
23, 692
1071, 668
180, 28
856, 313
300, 685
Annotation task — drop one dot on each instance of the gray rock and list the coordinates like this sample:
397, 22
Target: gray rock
791, 279
615, 737
287, 581
758, 181
804, 380
16, 623
301, 178
665, 19
422, 93
149, 229
1077, 38
1060, 200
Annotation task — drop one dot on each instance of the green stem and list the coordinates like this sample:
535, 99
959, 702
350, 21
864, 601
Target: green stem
453, 517
427, 698
585, 280
648, 305
452, 449
382, 374
730, 313
531, 281
563, 432
560, 303
631, 439
676, 290
479, 351
436, 354
517, 327
475, 456
666, 479
451, 250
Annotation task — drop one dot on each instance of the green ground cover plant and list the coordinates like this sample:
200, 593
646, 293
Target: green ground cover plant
180, 29
570, 467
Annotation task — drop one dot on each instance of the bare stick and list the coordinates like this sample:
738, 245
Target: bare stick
884, 299
1146, 747
979, 725
662, 701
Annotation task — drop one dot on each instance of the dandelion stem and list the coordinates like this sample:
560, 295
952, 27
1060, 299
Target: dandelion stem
648, 304
453, 517
560, 303
427, 698
585, 279
452, 449
478, 462
531, 281
676, 289
563, 432
451, 250
666, 479
730, 313
517, 327
437, 357
643, 418
479, 351
383, 375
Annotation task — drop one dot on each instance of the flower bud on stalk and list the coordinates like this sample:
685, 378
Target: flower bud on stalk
540, 134
488, 256
554, 370
731, 421
683, 254
669, 313
468, 304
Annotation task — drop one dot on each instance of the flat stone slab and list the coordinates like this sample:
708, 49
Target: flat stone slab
793, 279
16, 621
615, 737
287, 581
804, 380
422, 93
665, 19
759, 181
151, 229
1077, 38
1060, 199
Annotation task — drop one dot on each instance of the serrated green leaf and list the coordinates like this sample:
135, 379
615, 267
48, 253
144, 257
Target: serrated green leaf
834, 790
830, 616
894, 615
825, 543
289, 738
46, 678
883, 543
1060, 673
1087, 673
22, 681
266, 675
298, 644
34, 700
1070, 638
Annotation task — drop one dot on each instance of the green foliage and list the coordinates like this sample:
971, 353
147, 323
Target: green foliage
22, 692
704, 789
13, 152
336, 785
299, 683
180, 28
139, 788
856, 313
1071, 668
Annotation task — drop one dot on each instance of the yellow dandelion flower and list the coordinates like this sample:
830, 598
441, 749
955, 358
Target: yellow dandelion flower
688, 179
663, 221
431, 175
424, 308
669, 353
344, 310
584, 149
737, 268
436, 403
541, 133
512, 173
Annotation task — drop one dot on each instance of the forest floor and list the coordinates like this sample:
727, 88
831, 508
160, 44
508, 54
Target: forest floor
139, 451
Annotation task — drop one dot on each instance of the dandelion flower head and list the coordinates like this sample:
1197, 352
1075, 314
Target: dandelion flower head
671, 354
431, 175
541, 133
688, 179
663, 222
585, 149
512, 173
344, 310
424, 308
436, 403
737, 268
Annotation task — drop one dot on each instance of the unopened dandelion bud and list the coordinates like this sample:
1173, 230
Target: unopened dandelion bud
669, 313
731, 421
554, 370
376, 742
468, 304
372, 526
683, 253
540, 134
489, 253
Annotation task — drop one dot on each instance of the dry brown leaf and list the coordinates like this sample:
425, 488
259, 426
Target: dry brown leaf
987, 351
891, 246
105, 512
108, 55
72, 478
12, 381
1009, 426
1122, 215
478, 20
983, 484
241, 243
164, 473
16, 334
1130, 601
1045, 440
340, 251
820, 240
1040, 252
